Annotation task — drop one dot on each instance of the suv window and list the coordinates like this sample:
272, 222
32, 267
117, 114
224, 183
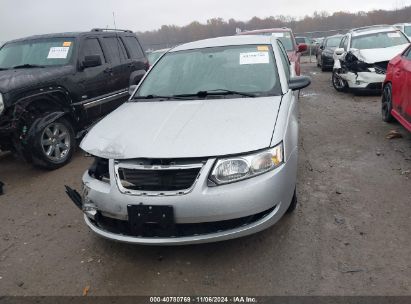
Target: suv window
115, 50
285, 60
92, 47
133, 47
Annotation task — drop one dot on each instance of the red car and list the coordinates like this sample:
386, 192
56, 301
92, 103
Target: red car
286, 36
396, 97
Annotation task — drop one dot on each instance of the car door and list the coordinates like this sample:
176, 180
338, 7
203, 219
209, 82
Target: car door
406, 100
137, 59
94, 82
119, 71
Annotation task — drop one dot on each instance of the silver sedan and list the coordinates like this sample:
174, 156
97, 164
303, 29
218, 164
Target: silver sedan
204, 150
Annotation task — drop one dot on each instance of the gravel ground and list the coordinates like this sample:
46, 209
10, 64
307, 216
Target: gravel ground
349, 236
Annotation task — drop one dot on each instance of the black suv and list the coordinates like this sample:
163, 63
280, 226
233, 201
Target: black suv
54, 87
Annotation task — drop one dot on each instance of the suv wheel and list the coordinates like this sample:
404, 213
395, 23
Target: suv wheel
386, 105
338, 83
55, 145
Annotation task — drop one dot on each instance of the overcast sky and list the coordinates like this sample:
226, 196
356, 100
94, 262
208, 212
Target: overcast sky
19, 18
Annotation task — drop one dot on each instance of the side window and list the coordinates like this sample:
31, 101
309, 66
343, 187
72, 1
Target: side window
408, 54
116, 52
92, 46
133, 47
285, 60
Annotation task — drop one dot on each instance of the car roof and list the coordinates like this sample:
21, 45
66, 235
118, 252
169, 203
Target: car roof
403, 24
71, 35
224, 41
372, 30
271, 30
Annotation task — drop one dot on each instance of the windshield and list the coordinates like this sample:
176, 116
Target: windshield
407, 30
333, 42
41, 52
378, 40
246, 69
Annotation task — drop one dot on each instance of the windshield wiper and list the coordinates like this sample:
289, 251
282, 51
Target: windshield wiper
152, 96
27, 66
3, 69
217, 92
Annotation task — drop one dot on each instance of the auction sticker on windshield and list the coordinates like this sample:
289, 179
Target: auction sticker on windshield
254, 58
58, 52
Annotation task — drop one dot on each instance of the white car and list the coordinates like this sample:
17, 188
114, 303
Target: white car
205, 149
405, 28
361, 61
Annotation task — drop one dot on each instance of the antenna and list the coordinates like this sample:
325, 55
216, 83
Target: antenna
117, 38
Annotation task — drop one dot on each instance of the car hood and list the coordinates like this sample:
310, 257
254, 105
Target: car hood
184, 129
378, 55
11, 80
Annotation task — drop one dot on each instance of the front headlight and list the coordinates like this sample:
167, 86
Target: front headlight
1, 104
234, 169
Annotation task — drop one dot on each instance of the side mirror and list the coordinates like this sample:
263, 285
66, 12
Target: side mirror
302, 47
299, 82
91, 61
339, 51
135, 79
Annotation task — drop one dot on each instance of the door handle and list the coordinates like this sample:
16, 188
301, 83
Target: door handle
108, 70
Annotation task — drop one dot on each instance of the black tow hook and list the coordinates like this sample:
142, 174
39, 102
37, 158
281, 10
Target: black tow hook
75, 197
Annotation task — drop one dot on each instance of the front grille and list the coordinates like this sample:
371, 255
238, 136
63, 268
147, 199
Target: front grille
181, 230
156, 176
158, 180
381, 67
374, 86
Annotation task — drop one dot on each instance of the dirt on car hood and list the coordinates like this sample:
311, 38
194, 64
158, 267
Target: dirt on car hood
184, 129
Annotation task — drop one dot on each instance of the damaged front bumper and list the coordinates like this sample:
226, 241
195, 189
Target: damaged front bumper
202, 214
363, 80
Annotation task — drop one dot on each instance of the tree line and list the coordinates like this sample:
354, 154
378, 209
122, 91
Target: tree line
317, 25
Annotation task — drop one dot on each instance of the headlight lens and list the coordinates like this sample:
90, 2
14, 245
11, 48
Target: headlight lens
1, 104
234, 169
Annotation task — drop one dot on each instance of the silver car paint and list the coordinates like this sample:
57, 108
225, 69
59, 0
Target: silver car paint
179, 129
203, 203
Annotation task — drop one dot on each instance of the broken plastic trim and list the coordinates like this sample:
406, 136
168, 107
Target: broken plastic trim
99, 169
75, 197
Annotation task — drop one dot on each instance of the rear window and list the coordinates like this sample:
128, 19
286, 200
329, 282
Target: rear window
333, 42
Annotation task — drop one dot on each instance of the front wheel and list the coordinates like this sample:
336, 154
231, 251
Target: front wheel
54, 145
293, 204
338, 83
386, 105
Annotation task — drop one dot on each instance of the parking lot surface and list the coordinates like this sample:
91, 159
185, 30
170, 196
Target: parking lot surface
350, 234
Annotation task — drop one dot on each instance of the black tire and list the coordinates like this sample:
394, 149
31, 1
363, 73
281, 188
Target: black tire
294, 202
386, 103
54, 145
323, 68
338, 83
